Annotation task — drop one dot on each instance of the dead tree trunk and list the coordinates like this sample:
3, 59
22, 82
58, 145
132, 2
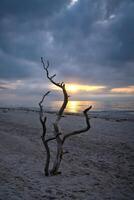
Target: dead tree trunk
59, 153
57, 134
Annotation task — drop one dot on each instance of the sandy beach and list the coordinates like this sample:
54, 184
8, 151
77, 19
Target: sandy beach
98, 164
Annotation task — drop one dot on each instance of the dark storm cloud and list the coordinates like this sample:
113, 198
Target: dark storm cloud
91, 42
100, 41
123, 30
22, 34
11, 67
34, 9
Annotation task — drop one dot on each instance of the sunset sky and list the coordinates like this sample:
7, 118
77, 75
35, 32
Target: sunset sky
89, 44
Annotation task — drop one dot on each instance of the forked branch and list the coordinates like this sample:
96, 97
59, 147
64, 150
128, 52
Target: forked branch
60, 85
43, 137
81, 130
57, 134
59, 115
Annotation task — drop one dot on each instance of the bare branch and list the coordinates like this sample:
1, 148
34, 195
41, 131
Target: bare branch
43, 98
61, 85
81, 130
52, 138
53, 76
43, 121
65, 101
40, 103
46, 66
45, 142
59, 153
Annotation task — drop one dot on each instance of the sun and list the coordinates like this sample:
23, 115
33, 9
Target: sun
72, 88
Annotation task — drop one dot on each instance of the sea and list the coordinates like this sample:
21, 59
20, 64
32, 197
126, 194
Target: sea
119, 109
104, 104
109, 108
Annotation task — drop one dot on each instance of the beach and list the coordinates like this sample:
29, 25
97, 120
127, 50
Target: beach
97, 165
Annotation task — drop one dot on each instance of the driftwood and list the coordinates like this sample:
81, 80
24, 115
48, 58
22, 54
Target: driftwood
57, 134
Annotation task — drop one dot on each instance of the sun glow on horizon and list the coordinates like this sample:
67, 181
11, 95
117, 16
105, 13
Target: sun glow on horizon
124, 90
75, 88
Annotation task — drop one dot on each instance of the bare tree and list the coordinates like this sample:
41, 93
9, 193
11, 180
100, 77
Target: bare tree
59, 137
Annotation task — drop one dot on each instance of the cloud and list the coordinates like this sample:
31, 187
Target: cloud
90, 49
24, 37
32, 9
91, 42
2, 87
72, 3
124, 90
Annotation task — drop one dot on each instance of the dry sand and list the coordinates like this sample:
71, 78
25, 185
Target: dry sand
99, 164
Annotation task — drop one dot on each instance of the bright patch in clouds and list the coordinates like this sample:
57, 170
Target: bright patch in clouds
72, 3
75, 88
124, 90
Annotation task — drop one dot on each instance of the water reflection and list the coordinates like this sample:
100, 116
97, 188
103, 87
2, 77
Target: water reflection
78, 106
97, 105
73, 106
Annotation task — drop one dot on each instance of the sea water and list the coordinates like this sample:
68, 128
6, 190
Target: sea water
103, 104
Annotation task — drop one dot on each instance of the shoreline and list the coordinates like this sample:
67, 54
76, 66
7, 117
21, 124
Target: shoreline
115, 115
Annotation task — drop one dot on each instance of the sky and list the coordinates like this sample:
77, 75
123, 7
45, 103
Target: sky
89, 45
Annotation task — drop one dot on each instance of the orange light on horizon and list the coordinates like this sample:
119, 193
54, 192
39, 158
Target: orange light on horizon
75, 88
124, 90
